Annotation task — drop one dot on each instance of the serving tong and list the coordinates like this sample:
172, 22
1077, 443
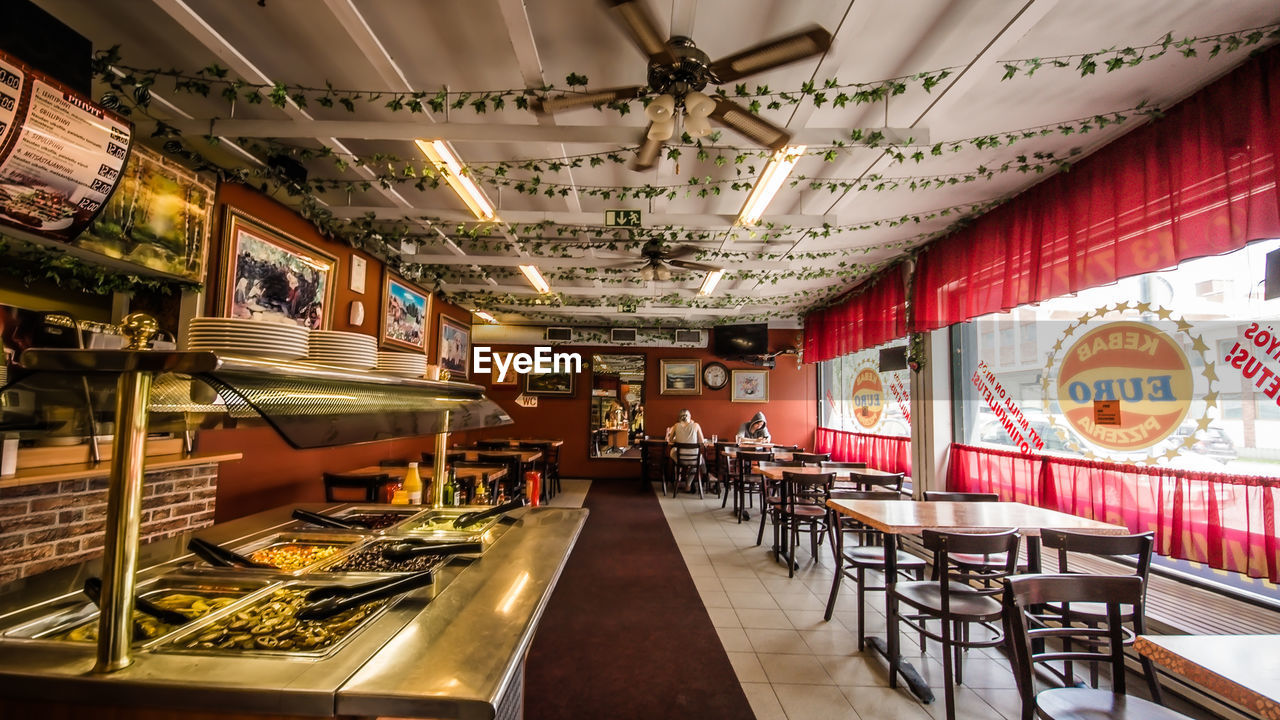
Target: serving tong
472, 518
326, 521
407, 550
325, 602
215, 554
93, 590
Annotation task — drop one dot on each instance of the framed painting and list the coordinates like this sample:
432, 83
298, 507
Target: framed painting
750, 386
405, 310
553, 384
270, 276
512, 377
680, 377
454, 352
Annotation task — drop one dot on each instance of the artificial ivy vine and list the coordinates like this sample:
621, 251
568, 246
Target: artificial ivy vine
31, 263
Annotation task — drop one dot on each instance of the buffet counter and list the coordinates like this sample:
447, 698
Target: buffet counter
454, 649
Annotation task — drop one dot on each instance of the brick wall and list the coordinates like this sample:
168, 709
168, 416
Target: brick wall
54, 524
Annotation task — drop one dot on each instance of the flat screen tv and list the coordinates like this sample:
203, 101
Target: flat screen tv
737, 340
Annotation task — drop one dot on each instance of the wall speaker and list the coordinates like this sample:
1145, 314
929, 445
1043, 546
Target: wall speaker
622, 335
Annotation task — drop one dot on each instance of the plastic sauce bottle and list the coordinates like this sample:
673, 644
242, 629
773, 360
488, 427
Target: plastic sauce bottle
413, 484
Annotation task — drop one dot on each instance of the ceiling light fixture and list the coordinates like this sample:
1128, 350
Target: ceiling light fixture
485, 316
535, 278
709, 282
775, 173
448, 165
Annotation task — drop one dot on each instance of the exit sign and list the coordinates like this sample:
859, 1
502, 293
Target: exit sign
622, 218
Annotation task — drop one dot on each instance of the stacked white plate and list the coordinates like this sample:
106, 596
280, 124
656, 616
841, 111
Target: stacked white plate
248, 338
348, 349
410, 365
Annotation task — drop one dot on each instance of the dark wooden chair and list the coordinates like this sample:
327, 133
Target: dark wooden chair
395, 462
653, 463
746, 482
514, 480
770, 497
837, 465
954, 601
940, 496
853, 561
366, 488
492, 445
811, 458
725, 468
802, 505
1095, 645
552, 479
689, 467
450, 457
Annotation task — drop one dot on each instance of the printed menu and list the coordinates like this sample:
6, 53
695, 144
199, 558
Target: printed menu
61, 156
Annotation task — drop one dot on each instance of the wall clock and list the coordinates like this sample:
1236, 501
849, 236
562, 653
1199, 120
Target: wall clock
715, 375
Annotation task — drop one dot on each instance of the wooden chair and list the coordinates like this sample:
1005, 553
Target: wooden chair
746, 482
450, 457
854, 561
952, 599
1092, 645
803, 503
939, 496
653, 463
370, 487
688, 466
834, 465
811, 458
492, 445
770, 499
514, 481
394, 462
725, 469
552, 479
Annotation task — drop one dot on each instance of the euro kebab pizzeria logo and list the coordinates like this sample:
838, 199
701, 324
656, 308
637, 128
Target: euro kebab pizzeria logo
868, 396
1123, 387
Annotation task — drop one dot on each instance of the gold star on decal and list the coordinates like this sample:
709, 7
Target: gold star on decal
1202, 424
1212, 399
1198, 344
1144, 307
1184, 326
1210, 372
1164, 314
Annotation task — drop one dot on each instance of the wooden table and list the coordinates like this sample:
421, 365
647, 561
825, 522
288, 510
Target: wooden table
516, 441
783, 455
526, 456
495, 472
894, 518
1244, 669
775, 473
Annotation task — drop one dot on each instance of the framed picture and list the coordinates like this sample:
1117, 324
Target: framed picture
359, 268
454, 348
268, 275
750, 386
554, 384
680, 377
158, 217
405, 310
512, 376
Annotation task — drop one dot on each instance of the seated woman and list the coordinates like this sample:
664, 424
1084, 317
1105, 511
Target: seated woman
755, 429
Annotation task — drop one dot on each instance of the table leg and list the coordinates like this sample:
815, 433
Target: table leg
889, 647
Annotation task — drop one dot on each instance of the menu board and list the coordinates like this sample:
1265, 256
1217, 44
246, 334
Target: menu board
60, 155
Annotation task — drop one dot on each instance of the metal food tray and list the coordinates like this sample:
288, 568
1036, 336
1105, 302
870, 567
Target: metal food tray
349, 510
71, 611
344, 539
327, 566
412, 527
173, 643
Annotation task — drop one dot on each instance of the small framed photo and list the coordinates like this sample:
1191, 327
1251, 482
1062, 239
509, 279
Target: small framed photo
455, 348
270, 276
552, 384
680, 377
511, 378
750, 386
405, 310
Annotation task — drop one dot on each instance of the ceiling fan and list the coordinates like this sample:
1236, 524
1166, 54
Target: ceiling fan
678, 71
656, 263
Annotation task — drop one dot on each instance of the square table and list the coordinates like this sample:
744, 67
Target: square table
894, 518
1244, 669
526, 456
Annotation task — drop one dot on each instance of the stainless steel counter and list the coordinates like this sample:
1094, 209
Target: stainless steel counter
453, 655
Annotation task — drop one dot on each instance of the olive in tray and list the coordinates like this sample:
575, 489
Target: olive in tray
271, 625
372, 559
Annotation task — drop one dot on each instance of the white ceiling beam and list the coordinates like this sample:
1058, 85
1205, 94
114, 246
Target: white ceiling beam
689, 220
612, 312
488, 132
570, 262
592, 292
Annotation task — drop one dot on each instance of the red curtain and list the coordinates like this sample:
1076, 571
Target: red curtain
882, 452
1202, 181
1228, 522
872, 317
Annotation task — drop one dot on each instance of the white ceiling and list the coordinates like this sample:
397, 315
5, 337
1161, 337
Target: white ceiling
402, 45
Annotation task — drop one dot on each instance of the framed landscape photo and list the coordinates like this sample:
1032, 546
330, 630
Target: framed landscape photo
552, 384
270, 276
750, 386
680, 377
405, 310
454, 348
512, 377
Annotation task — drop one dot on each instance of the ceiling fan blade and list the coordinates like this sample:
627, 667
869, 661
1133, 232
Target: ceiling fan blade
755, 127
771, 54
595, 97
697, 267
638, 22
679, 252
647, 155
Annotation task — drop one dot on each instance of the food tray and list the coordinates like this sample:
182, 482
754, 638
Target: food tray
336, 563
221, 628
420, 525
75, 611
340, 540
349, 511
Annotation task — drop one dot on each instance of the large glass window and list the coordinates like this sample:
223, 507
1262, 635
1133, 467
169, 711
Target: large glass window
857, 393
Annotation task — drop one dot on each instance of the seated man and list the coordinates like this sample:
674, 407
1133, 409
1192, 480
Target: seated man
755, 429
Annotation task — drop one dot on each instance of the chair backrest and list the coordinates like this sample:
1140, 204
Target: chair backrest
1138, 547
492, 444
779, 464
688, 454
370, 485
834, 465
867, 481
993, 546
653, 458
451, 456
939, 496
838, 493
788, 448
811, 458
1086, 643
394, 462
510, 462
748, 458
807, 488
552, 455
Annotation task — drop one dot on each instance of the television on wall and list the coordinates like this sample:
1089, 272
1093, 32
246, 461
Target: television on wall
731, 341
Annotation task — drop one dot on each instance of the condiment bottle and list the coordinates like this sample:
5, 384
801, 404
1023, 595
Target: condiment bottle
450, 491
413, 484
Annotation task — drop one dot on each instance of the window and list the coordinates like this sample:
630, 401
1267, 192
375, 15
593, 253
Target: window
856, 396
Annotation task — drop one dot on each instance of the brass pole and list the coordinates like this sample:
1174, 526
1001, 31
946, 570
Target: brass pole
124, 519
437, 468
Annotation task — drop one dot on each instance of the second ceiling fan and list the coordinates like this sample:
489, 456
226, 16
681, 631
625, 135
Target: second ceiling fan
679, 71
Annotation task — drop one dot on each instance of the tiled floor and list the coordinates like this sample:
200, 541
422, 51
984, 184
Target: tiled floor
791, 663
573, 492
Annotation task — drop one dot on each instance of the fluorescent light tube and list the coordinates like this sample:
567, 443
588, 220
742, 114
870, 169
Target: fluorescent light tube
535, 278
485, 317
770, 181
447, 164
709, 282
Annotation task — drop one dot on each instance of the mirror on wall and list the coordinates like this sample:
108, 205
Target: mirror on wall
617, 406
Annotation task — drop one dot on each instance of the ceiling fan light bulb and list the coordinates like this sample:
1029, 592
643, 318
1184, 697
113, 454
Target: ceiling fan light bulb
698, 105
663, 274
697, 126
661, 108
662, 129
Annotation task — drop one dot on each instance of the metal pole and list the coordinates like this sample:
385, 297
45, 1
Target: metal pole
124, 519
437, 468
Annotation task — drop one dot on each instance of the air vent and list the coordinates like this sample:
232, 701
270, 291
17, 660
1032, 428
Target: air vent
622, 335
689, 336
559, 333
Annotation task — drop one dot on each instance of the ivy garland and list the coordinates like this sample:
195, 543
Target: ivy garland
30, 263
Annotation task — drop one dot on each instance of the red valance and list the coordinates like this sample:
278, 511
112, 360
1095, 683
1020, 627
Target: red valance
872, 317
1202, 181
890, 453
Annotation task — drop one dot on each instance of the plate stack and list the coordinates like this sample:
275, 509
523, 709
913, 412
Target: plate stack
348, 349
410, 365
248, 338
